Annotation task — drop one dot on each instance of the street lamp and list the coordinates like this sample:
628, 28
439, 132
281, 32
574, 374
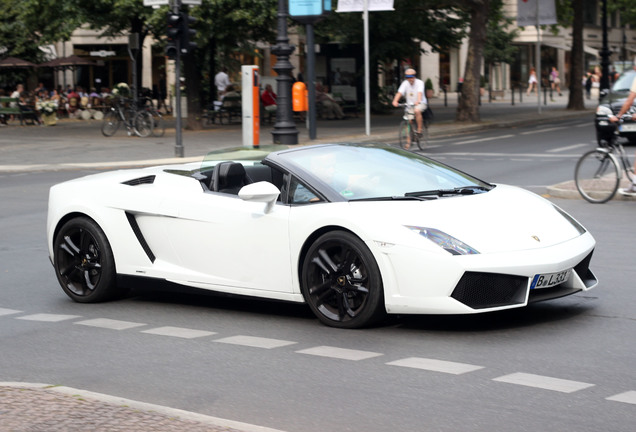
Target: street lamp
285, 131
605, 53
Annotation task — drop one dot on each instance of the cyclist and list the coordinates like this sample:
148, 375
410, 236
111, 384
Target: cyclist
412, 89
631, 190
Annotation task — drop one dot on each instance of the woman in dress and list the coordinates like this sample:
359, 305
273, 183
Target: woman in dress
532, 81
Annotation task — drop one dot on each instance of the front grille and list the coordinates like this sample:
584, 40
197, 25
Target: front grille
487, 290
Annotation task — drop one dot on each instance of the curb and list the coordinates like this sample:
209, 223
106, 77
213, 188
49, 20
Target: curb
179, 414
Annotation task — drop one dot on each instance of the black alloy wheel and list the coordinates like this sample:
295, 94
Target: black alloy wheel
84, 262
341, 281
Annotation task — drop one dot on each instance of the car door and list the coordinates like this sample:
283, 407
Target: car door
224, 241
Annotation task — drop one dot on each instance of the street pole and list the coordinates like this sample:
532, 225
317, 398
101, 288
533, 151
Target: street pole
311, 81
605, 53
178, 148
538, 72
285, 131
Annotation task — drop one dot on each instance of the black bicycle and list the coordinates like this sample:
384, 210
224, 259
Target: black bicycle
599, 172
123, 111
408, 129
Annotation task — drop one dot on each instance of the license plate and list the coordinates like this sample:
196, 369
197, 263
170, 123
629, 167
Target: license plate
550, 279
627, 127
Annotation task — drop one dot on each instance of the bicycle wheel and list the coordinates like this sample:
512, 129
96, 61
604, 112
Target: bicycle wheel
110, 124
406, 132
143, 124
158, 125
597, 176
422, 141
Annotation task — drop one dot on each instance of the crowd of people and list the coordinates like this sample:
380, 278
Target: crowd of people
66, 101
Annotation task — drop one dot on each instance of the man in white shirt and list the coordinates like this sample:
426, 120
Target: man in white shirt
221, 81
413, 91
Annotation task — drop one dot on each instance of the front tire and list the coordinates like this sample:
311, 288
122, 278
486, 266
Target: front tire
341, 281
84, 263
110, 124
597, 176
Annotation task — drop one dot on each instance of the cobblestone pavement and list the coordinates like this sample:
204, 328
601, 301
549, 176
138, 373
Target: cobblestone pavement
43, 408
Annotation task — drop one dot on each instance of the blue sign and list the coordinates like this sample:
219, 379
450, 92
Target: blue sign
306, 8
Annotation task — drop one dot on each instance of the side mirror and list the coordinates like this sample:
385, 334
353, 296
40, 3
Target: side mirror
260, 192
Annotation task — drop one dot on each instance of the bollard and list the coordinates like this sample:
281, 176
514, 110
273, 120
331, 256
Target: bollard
545, 95
512, 92
445, 97
520, 95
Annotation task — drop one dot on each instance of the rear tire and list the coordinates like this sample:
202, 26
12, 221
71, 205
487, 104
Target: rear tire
110, 124
143, 123
597, 176
84, 263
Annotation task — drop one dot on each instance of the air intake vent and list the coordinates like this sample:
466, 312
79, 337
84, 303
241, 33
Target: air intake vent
486, 290
141, 180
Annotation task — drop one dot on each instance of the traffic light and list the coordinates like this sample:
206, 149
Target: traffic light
175, 23
187, 33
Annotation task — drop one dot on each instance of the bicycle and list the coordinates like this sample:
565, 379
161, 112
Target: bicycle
408, 129
158, 123
598, 172
123, 112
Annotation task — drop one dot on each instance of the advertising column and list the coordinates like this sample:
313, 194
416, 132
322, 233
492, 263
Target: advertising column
250, 100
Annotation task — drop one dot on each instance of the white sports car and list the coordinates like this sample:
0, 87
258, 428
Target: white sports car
355, 231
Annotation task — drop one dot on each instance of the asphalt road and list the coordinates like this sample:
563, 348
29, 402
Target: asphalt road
560, 365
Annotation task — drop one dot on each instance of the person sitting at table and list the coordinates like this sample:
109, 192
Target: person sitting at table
269, 99
330, 108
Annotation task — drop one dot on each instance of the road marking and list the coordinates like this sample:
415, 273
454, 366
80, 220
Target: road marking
542, 130
509, 155
256, 342
110, 324
482, 139
566, 148
339, 353
179, 332
544, 382
8, 311
47, 317
583, 125
627, 397
435, 365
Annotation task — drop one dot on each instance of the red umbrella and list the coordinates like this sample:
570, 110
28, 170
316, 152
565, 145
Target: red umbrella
15, 63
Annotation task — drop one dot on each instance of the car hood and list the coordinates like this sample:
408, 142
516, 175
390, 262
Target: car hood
504, 219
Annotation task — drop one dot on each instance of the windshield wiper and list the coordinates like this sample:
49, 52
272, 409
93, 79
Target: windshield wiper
464, 190
396, 198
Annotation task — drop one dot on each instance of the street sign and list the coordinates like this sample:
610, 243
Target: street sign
191, 2
358, 5
156, 2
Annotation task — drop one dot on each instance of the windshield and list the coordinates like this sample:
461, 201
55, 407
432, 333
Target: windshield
376, 171
624, 82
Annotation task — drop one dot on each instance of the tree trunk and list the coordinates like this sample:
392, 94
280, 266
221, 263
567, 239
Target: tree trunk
575, 100
468, 107
193, 89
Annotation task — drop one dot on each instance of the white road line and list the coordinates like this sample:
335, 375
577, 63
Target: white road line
544, 382
435, 365
179, 332
627, 397
566, 148
583, 124
8, 311
543, 130
509, 155
482, 139
256, 342
110, 324
339, 353
48, 317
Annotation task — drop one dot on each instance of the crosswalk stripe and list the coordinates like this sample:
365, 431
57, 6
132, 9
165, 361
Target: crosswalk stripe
627, 397
544, 382
4, 311
181, 332
256, 342
435, 365
339, 353
110, 324
48, 317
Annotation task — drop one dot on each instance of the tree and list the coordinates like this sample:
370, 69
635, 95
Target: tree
575, 100
468, 107
499, 46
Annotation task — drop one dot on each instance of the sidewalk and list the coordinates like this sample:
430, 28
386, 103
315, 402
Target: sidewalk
76, 144
79, 144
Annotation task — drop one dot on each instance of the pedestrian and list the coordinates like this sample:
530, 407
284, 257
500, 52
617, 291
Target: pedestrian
588, 85
627, 105
556, 81
532, 81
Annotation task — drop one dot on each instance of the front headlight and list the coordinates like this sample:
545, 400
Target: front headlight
604, 110
448, 243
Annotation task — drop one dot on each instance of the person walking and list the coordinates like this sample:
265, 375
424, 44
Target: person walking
532, 81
